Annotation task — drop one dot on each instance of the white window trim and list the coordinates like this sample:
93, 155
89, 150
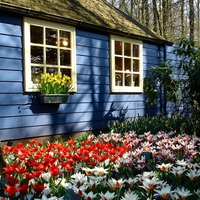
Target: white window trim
125, 89
29, 86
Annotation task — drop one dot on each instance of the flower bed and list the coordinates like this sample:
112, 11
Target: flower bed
110, 166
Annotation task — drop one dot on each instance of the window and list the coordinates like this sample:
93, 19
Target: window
49, 48
126, 65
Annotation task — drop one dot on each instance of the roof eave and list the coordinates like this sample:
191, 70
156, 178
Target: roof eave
78, 23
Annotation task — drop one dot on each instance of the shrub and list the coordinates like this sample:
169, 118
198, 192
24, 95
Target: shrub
142, 124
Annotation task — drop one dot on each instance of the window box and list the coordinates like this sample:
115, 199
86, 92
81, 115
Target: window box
53, 98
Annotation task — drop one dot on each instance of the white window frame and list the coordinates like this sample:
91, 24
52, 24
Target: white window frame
29, 86
125, 89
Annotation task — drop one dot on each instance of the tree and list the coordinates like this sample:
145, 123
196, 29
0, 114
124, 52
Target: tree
173, 19
191, 18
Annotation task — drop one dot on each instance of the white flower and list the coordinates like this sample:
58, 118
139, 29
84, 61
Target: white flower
92, 184
181, 163
164, 192
178, 171
89, 196
131, 181
78, 179
183, 192
107, 196
193, 174
32, 182
46, 176
88, 171
46, 190
164, 167
100, 171
114, 184
197, 192
80, 191
130, 196
150, 184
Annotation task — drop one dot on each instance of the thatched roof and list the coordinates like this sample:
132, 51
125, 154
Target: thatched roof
96, 14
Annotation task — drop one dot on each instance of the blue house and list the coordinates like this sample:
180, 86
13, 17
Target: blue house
106, 53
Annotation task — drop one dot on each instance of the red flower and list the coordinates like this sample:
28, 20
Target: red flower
9, 170
68, 167
41, 167
29, 176
23, 188
21, 170
38, 187
113, 158
12, 181
54, 170
11, 190
70, 142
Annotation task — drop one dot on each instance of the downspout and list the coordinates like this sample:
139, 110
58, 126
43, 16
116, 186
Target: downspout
163, 101
165, 94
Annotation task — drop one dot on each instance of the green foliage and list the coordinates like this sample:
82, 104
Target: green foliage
190, 65
142, 124
184, 91
161, 75
151, 91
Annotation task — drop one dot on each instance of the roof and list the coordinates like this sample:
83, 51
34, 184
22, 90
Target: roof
95, 14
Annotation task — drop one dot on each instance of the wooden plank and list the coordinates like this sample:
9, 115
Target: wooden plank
28, 100
92, 42
15, 64
87, 34
8, 52
8, 75
10, 29
93, 79
94, 52
15, 98
49, 119
94, 70
10, 41
44, 130
11, 87
95, 106
92, 61
87, 88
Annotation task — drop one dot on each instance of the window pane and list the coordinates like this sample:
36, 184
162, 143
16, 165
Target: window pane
51, 36
37, 55
51, 56
66, 71
135, 50
118, 48
127, 49
128, 79
65, 57
35, 73
127, 63
118, 63
64, 39
136, 78
52, 70
118, 79
135, 65
36, 34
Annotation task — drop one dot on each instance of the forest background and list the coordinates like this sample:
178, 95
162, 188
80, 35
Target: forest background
173, 19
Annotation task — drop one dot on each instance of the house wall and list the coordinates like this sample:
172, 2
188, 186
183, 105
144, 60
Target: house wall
90, 108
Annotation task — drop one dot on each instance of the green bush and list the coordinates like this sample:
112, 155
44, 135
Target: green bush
142, 124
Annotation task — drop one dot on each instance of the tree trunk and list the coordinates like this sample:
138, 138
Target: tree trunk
191, 18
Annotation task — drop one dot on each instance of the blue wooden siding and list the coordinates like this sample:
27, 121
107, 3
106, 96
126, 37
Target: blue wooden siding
90, 108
